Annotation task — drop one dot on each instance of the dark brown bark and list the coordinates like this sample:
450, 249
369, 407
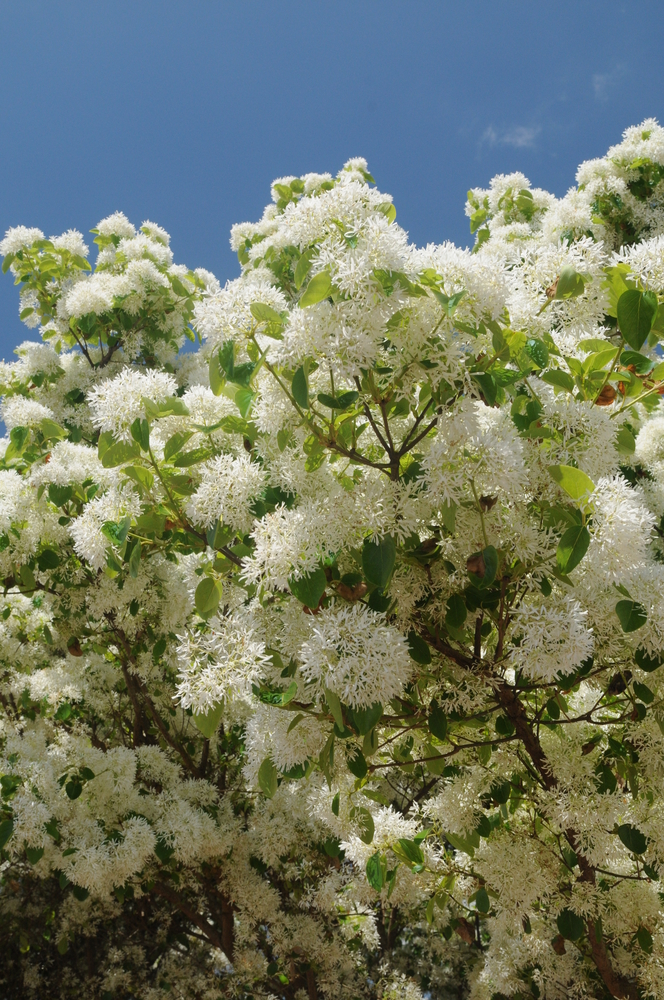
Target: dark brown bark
618, 986
311, 985
191, 914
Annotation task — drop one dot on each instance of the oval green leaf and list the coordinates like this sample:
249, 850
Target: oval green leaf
632, 838
300, 388
208, 722
636, 312
207, 597
418, 648
572, 547
375, 872
632, 615
456, 611
378, 560
570, 284
538, 352
318, 289
573, 481
268, 778
570, 925
357, 765
437, 722
119, 452
310, 588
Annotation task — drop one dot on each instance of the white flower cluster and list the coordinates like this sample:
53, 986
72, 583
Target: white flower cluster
331, 650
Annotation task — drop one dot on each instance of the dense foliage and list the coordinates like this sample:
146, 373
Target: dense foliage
330, 649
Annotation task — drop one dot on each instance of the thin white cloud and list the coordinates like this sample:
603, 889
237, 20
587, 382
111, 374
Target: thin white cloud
603, 83
519, 136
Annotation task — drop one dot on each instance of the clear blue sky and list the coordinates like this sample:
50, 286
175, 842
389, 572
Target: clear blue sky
183, 112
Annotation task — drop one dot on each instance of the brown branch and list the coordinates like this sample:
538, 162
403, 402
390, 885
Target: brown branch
418, 419
617, 985
196, 918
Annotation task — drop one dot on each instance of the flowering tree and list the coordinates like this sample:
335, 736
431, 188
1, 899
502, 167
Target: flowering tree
330, 648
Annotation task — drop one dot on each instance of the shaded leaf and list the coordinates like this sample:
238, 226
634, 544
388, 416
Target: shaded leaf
632, 615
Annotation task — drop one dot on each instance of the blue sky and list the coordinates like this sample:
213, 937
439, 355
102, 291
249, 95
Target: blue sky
183, 112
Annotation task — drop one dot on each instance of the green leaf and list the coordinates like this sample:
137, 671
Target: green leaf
48, 559
572, 547
139, 474
341, 402
267, 778
104, 443
641, 363
288, 695
310, 588
636, 312
482, 901
364, 719
643, 692
632, 615
625, 442
378, 559
119, 452
456, 611
135, 560
570, 284
27, 577
300, 388
303, 267
448, 511
59, 495
168, 408
207, 597
243, 400
477, 218
375, 872
334, 705
226, 355
217, 374
646, 662
482, 567
295, 721
596, 362
632, 838
357, 764
188, 458
51, 430
116, 532
366, 824
570, 925
388, 210
318, 289
644, 937
208, 722
437, 722
418, 648
487, 386
6, 830
73, 789
538, 352
140, 431
34, 854
573, 481
504, 726
411, 851
265, 314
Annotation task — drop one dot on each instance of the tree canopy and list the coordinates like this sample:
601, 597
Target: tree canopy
330, 647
